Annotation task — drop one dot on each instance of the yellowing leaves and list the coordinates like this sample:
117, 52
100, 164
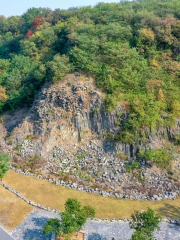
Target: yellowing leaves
169, 64
154, 85
176, 108
3, 95
147, 34
154, 64
59, 26
160, 95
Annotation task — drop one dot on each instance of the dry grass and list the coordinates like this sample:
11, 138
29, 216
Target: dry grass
48, 194
12, 209
75, 236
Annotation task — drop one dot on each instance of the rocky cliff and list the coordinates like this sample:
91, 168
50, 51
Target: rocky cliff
67, 133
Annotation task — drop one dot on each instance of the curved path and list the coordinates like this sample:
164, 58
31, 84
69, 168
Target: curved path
31, 229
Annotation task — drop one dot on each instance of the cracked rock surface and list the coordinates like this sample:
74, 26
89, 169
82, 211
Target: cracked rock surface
70, 130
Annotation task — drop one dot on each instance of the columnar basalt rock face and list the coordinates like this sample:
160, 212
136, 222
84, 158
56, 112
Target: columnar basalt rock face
68, 126
67, 114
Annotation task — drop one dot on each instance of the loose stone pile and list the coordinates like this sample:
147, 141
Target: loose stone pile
168, 195
102, 164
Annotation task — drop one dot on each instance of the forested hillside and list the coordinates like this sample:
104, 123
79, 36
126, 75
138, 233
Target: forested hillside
132, 49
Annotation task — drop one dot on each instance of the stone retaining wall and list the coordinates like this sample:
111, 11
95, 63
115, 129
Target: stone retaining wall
28, 201
168, 195
104, 220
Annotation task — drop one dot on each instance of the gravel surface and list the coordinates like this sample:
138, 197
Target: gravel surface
107, 231
121, 231
168, 232
31, 229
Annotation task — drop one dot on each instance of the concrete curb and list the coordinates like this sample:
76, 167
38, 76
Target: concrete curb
4, 235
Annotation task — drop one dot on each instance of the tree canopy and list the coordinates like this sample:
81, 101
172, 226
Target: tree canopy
144, 223
131, 48
72, 219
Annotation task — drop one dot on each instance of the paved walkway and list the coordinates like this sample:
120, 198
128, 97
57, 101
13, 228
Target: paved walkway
31, 229
4, 235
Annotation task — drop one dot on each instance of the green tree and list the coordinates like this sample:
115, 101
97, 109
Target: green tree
72, 219
131, 48
4, 164
144, 223
58, 67
53, 225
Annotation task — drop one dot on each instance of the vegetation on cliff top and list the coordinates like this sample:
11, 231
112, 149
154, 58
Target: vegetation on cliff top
132, 49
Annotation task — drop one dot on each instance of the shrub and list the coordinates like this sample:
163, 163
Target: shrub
90, 212
4, 164
144, 223
162, 157
72, 219
17, 148
2, 120
131, 167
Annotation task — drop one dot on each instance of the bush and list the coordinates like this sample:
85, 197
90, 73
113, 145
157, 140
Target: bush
2, 119
176, 139
52, 225
17, 148
72, 219
131, 167
144, 223
90, 212
162, 157
4, 164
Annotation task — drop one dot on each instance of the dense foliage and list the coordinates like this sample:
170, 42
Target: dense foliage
131, 48
144, 223
162, 157
72, 219
4, 164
